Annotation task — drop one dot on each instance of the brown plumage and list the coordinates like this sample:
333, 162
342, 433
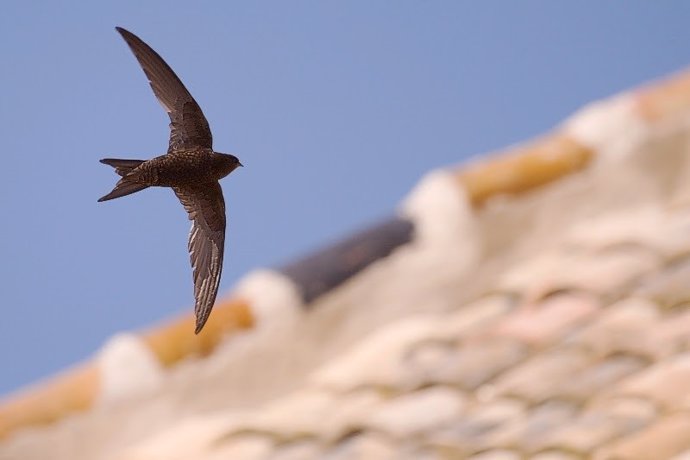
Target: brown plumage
190, 167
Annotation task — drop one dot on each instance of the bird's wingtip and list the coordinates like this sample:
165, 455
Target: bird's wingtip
122, 31
200, 323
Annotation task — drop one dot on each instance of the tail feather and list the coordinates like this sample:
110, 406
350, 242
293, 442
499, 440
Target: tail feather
124, 186
122, 167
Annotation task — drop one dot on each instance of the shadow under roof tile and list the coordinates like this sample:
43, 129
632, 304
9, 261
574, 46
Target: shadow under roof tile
471, 433
597, 425
296, 450
246, 447
531, 433
555, 455
668, 287
497, 454
361, 445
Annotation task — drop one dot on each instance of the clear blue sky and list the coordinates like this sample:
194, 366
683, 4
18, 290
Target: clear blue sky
335, 109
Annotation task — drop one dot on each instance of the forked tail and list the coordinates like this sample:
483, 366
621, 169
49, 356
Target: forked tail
124, 186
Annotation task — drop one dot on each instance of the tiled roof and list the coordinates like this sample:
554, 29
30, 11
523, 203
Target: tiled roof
535, 304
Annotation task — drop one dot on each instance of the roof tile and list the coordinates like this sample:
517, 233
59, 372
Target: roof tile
417, 412
473, 316
664, 100
623, 328
605, 272
302, 414
636, 227
246, 447
668, 437
555, 455
470, 365
665, 383
591, 429
600, 376
296, 450
632, 414
360, 367
669, 287
497, 454
682, 456
293, 417
531, 433
472, 432
549, 320
361, 445
542, 377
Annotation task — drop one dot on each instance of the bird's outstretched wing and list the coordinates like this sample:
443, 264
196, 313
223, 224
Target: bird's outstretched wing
206, 209
188, 126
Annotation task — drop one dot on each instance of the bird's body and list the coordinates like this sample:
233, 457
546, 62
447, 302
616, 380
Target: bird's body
183, 168
190, 167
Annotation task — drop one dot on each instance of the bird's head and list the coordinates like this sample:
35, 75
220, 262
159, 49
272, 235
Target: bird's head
228, 162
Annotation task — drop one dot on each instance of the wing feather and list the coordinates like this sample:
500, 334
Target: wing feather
206, 208
188, 125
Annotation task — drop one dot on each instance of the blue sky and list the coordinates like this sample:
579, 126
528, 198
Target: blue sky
335, 109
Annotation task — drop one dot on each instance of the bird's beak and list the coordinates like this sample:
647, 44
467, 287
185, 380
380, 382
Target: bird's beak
240, 164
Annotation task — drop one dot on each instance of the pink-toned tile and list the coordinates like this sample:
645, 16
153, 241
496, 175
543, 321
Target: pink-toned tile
623, 328
664, 99
549, 321
667, 437
542, 377
665, 383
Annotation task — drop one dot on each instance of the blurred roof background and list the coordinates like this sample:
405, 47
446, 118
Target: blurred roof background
336, 109
533, 304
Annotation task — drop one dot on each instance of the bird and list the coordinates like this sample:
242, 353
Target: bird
190, 167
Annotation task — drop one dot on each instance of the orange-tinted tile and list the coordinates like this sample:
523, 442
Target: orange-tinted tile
176, 340
523, 168
665, 99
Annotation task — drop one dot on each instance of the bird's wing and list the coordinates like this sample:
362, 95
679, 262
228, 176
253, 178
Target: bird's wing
206, 209
188, 126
